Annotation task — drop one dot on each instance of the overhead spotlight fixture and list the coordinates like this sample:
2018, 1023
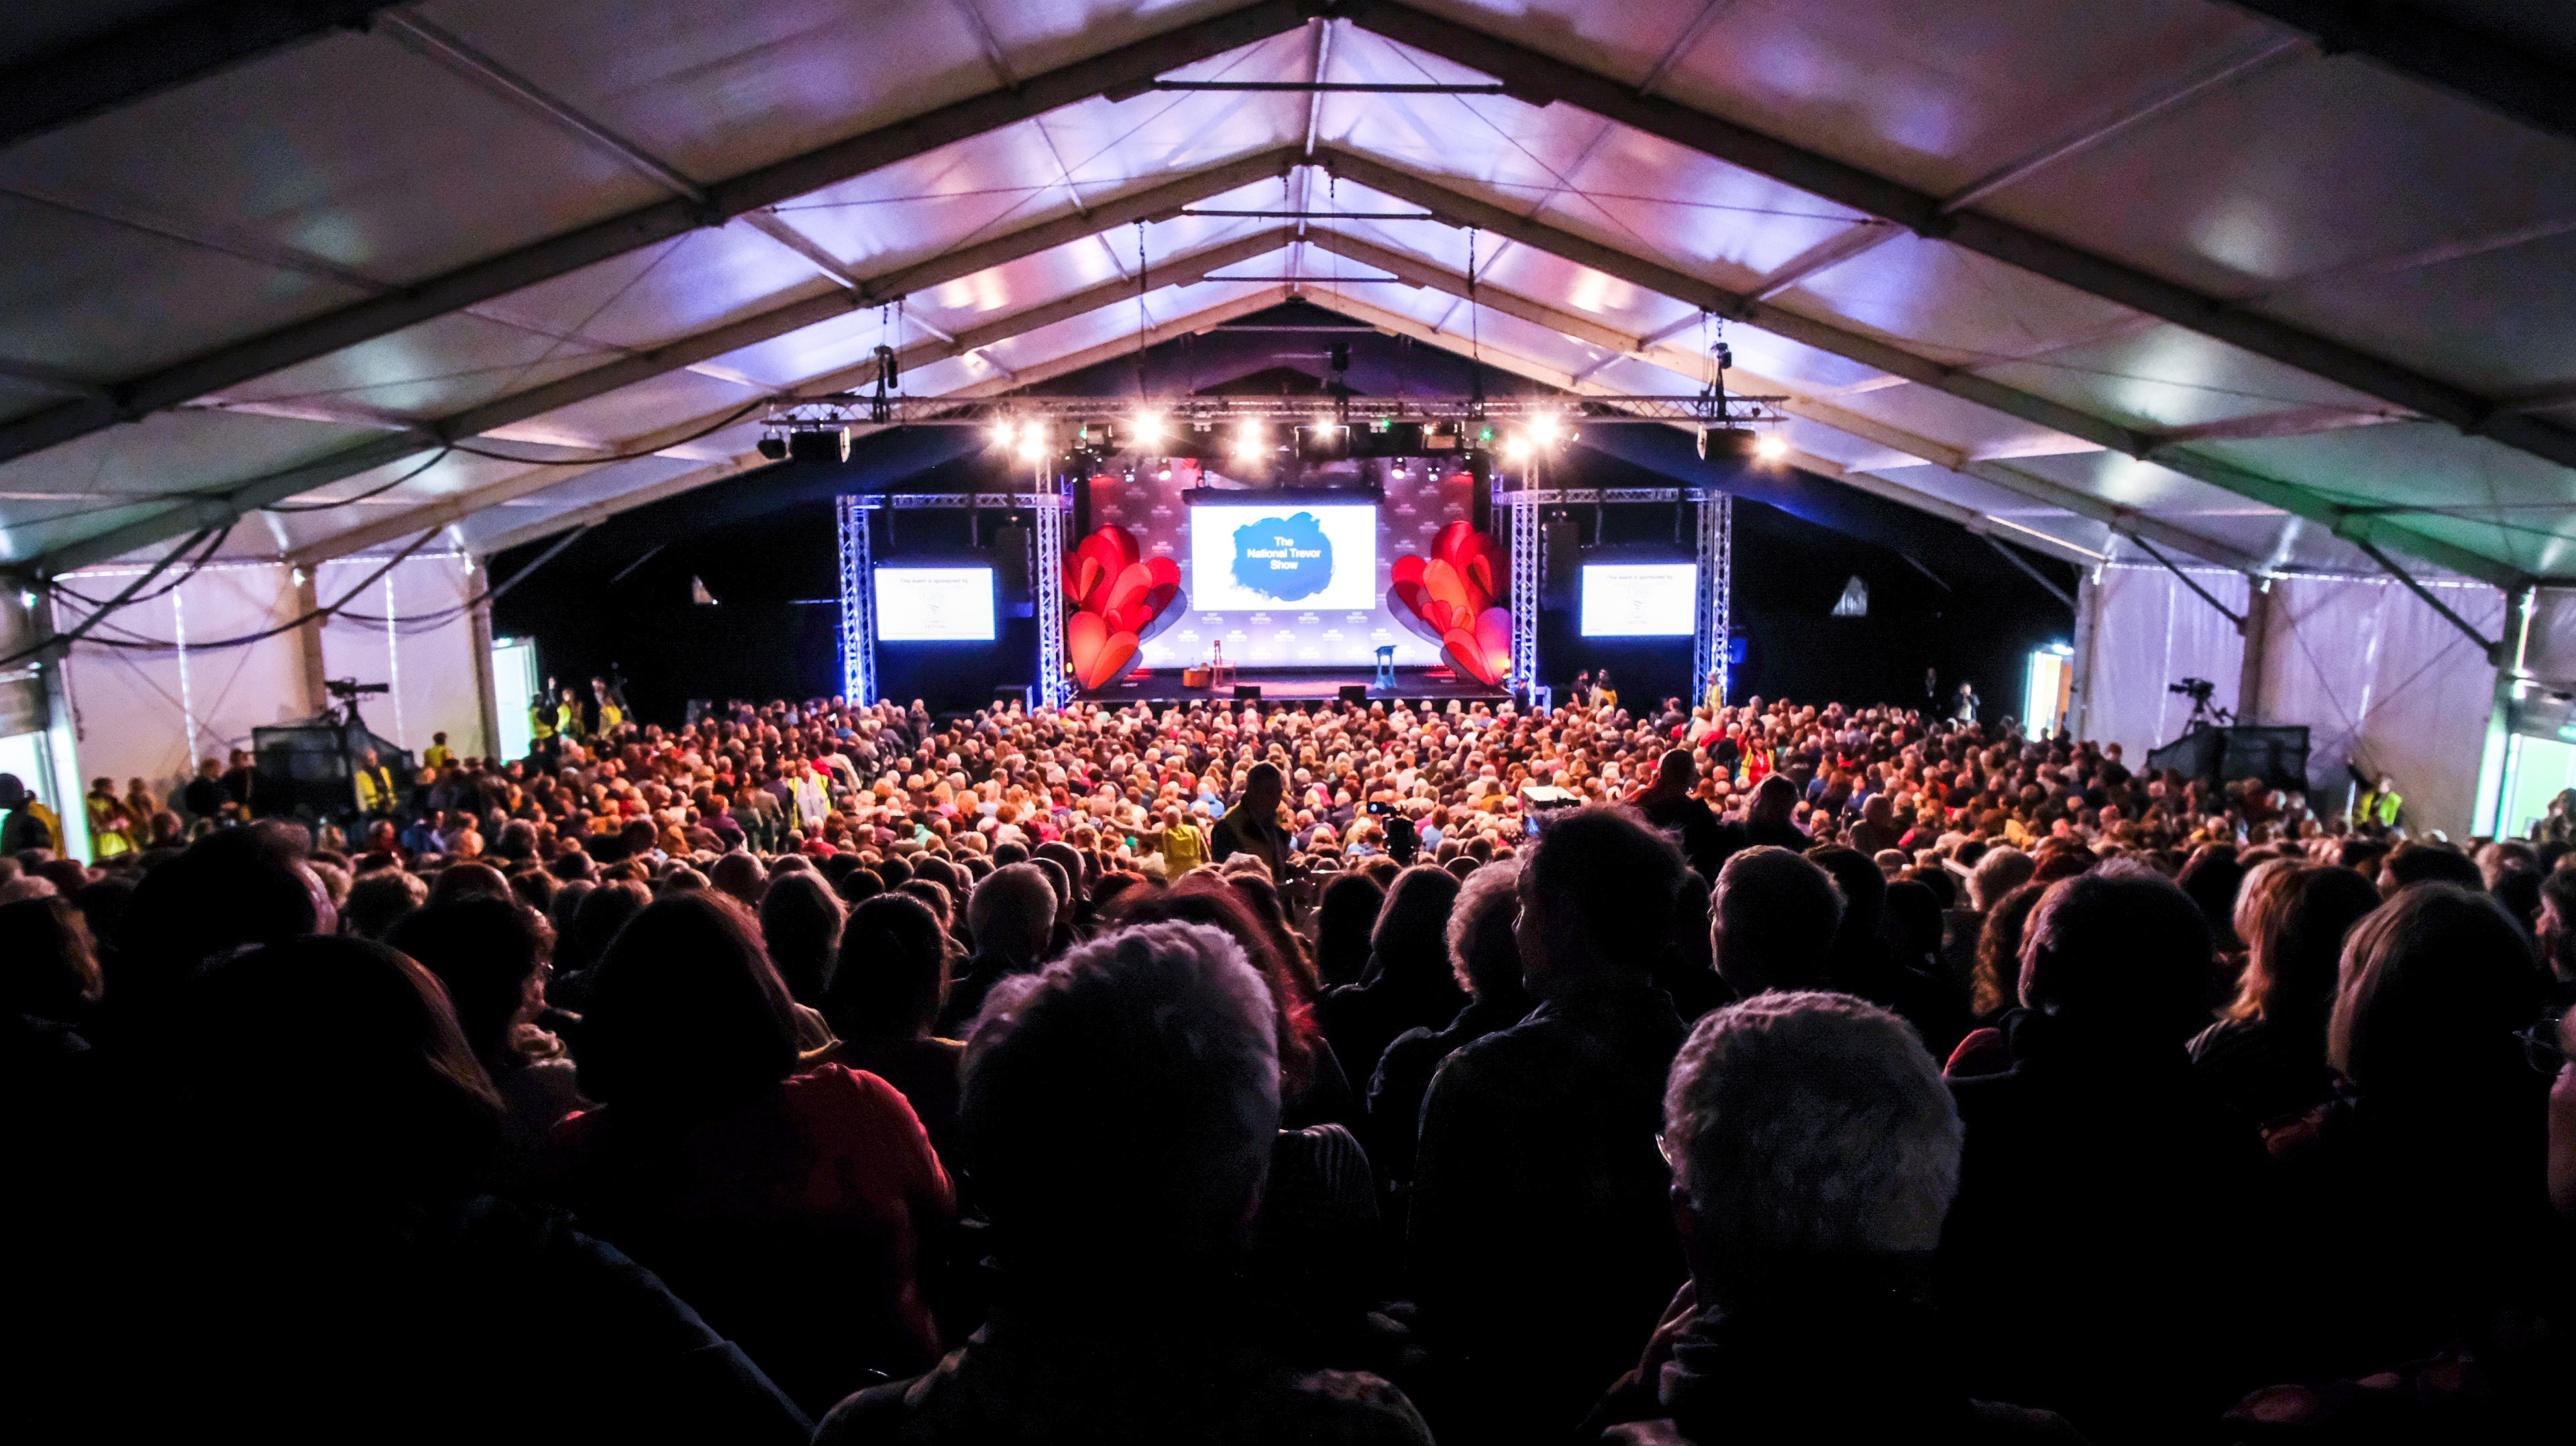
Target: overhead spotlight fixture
819, 444
1164, 472
1771, 448
1517, 447
1149, 429
1397, 471
773, 447
1546, 431
1005, 432
1033, 443
1248, 439
1131, 474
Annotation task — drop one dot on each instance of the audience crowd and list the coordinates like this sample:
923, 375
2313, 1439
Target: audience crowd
1243, 1073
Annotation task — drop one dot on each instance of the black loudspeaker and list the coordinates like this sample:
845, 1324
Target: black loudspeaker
820, 444
1561, 538
1025, 696
1011, 560
1355, 693
1247, 692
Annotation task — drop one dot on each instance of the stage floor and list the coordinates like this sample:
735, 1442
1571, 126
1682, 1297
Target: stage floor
1163, 685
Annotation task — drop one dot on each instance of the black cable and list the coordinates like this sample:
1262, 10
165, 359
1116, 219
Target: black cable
377, 491
196, 565
82, 630
285, 627
432, 621
618, 456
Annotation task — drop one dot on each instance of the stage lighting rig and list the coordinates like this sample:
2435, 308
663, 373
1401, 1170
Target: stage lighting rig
1728, 444
807, 444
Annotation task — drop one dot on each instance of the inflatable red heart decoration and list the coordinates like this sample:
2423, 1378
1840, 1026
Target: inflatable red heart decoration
1459, 646
1099, 655
1081, 576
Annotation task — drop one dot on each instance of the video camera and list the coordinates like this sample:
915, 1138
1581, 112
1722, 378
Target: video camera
352, 688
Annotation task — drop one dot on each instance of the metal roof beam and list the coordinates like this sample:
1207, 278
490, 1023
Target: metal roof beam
1183, 271
606, 508
1896, 361
1117, 70
2509, 78
144, 58
645, 365
1531, 73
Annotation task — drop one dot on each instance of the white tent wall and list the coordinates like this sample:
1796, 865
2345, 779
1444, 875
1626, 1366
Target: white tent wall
2552, 658
146, 713
2378, 678
430, 665
2151, 630
2386, 683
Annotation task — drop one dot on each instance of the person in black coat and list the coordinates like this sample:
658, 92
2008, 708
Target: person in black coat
1488, 964
1408, 983
1540, 1246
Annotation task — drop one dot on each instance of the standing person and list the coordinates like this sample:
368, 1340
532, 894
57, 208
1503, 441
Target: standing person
204, 796
438, 755
1184, 844
241, 784
374, 784
1252, 825
1554, 1120
112, 834
543, 745
28, 824
608, 711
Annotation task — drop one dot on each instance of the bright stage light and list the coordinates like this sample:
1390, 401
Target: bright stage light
1164, 473
1148, 428
1771, 448
1248, 440
1005, 432
1033, 443
1546, 432
1516, 447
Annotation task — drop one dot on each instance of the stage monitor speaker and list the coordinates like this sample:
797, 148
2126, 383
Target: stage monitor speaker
1247, 692
1025, 695
1355, 693
1011, 560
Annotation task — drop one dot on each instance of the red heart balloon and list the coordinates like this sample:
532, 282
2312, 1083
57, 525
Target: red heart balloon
1081, 575
1445, 547
1461, 651
1166, 572
1494, 639
1098, 654
1480, 561
1133, 583
1408, 569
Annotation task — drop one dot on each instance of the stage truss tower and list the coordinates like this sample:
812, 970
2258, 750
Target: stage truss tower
858, 606
1529, 565
1046, 585
1711, 630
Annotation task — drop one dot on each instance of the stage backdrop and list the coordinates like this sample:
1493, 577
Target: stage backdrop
1294, 631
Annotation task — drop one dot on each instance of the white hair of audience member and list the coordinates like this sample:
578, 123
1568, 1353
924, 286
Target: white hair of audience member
1012, 911
1998, 871
1811, 1123
1119, 1106
1480, 921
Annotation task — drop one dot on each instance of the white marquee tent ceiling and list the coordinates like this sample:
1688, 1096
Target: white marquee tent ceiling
2077, 271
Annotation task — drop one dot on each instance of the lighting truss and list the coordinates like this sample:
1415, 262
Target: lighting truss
858, 606
1713, 618
1072, 413
1045, 580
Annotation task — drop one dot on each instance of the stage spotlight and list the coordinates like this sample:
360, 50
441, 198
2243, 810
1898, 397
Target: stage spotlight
774, 448
1546, 432
1005, 432
1516, 447
1164, 472
1033, 443
1398, 469
1248, 440
1771, 448
1149, 429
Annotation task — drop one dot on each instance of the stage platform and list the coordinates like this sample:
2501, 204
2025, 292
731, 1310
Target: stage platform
1296, 685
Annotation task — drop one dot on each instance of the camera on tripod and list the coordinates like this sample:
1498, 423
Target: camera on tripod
2203, 711
352, 688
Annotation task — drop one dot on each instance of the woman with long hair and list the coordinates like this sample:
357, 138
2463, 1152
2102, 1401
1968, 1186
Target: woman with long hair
2266, 1055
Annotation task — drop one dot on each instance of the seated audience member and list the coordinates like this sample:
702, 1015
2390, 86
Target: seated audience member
2420, 861
1862, 965
491, 954
1344, 919
2266, 1055
1671, 803
1815, 1151
1012, 915
800, 925
2555, 930
2424, 1190
49, 982
233, 887
378, 900
2101, 1179
793, 1209
336, 1269
1487, 964
1408, 982
1553, 1120
1772, 920
1120, 1211
885, 993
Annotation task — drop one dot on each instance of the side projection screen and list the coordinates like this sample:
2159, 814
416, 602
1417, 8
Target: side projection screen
934, 604
1639, 599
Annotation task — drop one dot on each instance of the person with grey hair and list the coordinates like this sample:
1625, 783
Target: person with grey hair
2102, 1177
1117, 1120
1487, 964
1998, 872
1011, 915
1553, 1120
1771, 921
1815, 1152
